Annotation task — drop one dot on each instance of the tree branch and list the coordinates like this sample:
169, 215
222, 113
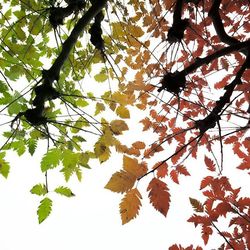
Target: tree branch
218, 25
69, 43
210, 121
176, 32
175, 82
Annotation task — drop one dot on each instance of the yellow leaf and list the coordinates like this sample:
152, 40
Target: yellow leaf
102, 151
99, 108
131, 165
121, 182
118, 126
130, 205
122, 31
123, 112
123, 99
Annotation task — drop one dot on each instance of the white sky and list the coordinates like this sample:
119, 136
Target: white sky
91, 220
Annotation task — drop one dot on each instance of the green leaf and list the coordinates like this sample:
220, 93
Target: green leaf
65, 191
4, 166
44, 209
18, 146
69, 158
32, 144
83, 160
101, 77
39, 189
51, 159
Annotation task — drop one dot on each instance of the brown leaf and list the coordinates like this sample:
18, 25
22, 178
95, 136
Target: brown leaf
159, 195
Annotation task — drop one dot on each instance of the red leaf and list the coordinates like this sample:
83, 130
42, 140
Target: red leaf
162, 171
182, 170
221, 84
223, 208
245, 164
206, 181
210, 164
174, 176
159, 195
206, 232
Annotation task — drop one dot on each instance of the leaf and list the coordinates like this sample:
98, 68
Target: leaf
159, 195
32, 144
210, 164
206, 181
139, 145
197, 206
121, 182
118, 126
44, 209
4, 166
174, 176
99, 108
132, 166
206, 232
39, 189
162, 171
101, 77
51, 159
102, 152
130, 205
182, 170
65, 191
123, 112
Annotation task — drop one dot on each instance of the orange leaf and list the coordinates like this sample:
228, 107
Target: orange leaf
139, 145
182, 170
174, 176
162, 171
130, 205
121, 182
132, 166
159, 195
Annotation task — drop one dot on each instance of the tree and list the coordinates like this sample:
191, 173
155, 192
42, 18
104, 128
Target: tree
183, 65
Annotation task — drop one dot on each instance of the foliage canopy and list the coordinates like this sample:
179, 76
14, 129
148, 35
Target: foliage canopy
74, 72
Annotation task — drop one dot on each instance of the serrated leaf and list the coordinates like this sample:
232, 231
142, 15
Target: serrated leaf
102, 151
121, 182
209, 163
132, 166
32, 144
159, 195
39, 189
197, 206
4, 166
118, 126
123, 112
130, 205
65, 191
51, 159
44, 209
